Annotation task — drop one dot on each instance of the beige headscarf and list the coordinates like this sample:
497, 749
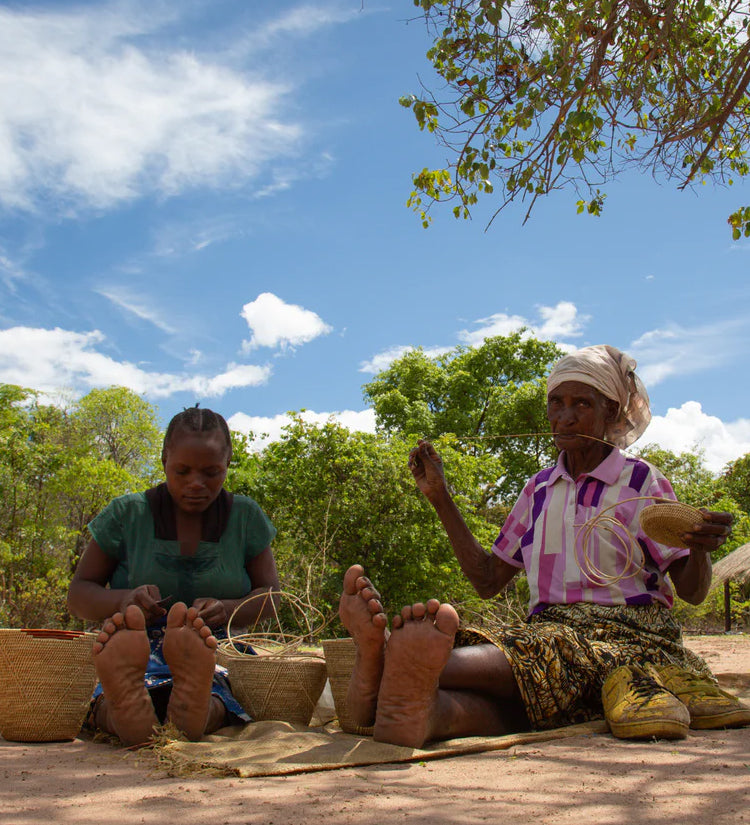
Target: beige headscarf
612, 373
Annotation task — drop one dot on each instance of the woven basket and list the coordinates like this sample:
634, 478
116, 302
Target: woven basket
46, 681
665, 522
339, 655
283, 687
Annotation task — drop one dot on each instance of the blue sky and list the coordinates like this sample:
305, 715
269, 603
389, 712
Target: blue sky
204, 200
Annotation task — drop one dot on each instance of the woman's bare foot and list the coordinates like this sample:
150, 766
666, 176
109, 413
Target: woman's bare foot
418, 648
362, 615
121, 652
190, 651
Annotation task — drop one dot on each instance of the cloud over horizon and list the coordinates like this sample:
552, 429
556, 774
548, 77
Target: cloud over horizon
49, 360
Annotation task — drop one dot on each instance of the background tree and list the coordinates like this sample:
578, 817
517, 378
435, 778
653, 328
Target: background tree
540, 96
480, 394
58, 468
339, 497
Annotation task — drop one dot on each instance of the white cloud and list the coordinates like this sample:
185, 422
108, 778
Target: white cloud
124, 299
90, 116
274, 323
676, 350
50, 359
384, 359
559, 321
268, 429
687, 428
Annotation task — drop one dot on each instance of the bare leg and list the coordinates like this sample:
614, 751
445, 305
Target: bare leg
414, 705
121, 652
190, 651
362, 615
483, 668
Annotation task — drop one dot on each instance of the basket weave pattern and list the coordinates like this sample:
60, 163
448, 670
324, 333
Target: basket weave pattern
340, 663
46, 682
666, 522
282, 687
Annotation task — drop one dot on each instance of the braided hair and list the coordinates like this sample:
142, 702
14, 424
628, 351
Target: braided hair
196, 420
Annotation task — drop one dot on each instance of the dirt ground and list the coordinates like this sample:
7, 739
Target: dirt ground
584, 779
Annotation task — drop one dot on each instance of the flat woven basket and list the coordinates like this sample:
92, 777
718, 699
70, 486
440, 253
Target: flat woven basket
665, 522
283, 686
339, 655
46, 681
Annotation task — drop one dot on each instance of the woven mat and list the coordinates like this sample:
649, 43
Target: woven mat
275, 748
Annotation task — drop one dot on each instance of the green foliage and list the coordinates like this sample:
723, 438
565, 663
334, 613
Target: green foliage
540, 96
736, 481
339, 498
692, 483
58, 468
480, 394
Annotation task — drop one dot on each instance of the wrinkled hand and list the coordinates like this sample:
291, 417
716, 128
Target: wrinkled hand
212, 611
146, 597
712, 533
427, 468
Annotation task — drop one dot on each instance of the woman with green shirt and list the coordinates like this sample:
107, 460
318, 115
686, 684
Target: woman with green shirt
188, 547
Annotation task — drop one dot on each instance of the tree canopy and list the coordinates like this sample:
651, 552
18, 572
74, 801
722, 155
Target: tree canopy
542, 95
482, 394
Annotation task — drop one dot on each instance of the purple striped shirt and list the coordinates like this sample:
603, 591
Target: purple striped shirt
543, 534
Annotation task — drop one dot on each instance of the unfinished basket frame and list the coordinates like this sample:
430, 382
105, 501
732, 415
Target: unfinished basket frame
277, 682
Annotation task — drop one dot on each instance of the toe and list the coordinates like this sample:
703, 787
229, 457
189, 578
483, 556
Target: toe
350, 578
177, 614
432, 607
418, 610
133, 619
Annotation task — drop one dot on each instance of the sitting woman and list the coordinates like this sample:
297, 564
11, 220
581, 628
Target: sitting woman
189, 545
599, 637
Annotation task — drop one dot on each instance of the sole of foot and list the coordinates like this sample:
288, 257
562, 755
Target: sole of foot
418, 649
121, 652
361, 613
190, 651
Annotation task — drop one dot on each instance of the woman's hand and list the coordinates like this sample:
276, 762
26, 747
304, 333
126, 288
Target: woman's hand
147, 597
212, 611
711, 533
427, 468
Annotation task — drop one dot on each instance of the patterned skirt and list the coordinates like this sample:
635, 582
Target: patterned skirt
561, 656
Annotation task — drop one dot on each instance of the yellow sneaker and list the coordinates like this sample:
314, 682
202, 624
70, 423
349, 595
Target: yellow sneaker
710, 707
636, 706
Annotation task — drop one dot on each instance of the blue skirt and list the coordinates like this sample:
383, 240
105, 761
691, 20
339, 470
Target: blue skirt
158, 677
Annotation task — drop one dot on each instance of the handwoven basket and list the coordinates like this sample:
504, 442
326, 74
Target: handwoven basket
285, 687
277, 681
665, 522
46, 681
339, 655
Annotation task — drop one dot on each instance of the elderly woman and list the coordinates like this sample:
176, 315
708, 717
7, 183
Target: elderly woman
599, 637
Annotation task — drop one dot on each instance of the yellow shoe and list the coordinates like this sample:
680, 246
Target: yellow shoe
710, 707
636, 706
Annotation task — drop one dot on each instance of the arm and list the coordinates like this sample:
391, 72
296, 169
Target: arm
90, 598
487, 572
691, 575
263, 577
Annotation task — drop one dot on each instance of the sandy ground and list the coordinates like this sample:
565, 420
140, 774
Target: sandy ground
586, 779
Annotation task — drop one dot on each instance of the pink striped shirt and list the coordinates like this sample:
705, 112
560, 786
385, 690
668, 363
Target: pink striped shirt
543, 535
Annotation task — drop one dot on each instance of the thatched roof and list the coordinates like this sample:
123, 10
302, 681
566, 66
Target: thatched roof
734, 567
